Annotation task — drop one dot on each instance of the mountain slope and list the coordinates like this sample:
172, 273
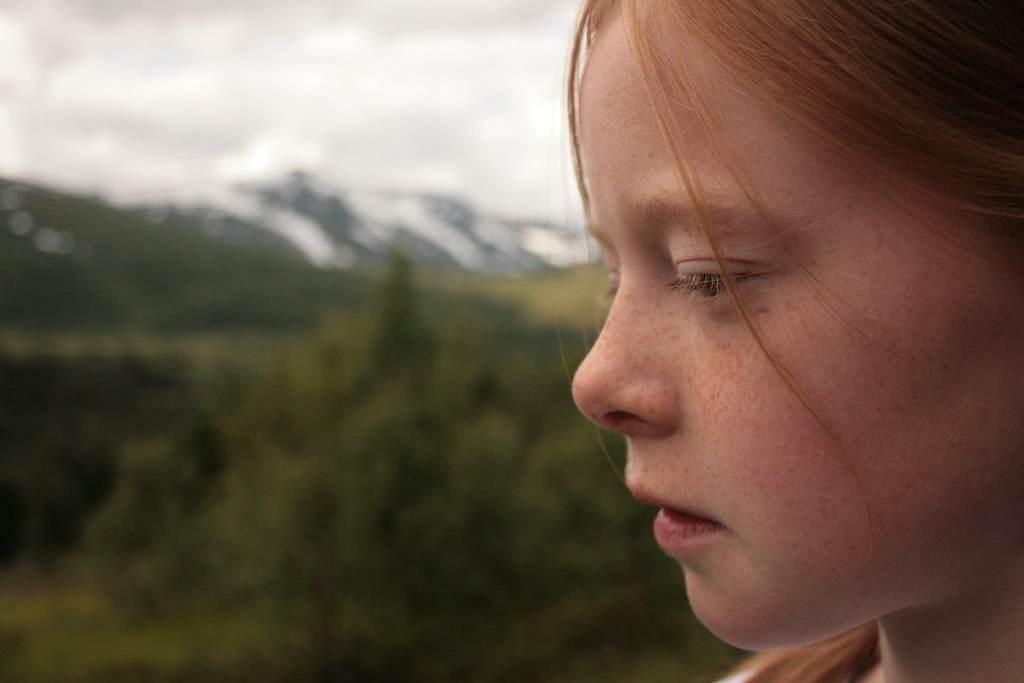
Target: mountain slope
73, 262
329, 226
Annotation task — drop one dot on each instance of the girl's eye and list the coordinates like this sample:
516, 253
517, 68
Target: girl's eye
707, 285
703, 279
699, 281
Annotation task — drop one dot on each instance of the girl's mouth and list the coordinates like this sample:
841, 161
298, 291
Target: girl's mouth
678, 531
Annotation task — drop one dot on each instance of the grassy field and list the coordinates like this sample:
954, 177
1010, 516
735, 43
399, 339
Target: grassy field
568, 298
60, 629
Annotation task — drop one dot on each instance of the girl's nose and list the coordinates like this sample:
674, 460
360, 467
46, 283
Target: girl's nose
622, 384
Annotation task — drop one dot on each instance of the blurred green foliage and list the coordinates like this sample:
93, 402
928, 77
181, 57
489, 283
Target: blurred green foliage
62, 422
407, 494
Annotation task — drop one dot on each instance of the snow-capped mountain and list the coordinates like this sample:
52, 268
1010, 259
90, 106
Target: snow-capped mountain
332, 227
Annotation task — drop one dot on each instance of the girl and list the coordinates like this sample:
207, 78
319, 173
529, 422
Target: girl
811, 213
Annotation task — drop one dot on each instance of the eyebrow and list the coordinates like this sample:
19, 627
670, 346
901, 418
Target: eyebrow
659, 211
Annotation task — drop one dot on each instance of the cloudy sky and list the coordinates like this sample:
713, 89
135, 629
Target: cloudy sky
454, 96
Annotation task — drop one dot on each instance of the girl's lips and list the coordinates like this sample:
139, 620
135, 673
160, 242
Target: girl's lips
678, 531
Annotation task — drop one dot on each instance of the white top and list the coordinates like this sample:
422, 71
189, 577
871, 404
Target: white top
738, 678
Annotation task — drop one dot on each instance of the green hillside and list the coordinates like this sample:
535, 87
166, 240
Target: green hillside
70, 263
72, 267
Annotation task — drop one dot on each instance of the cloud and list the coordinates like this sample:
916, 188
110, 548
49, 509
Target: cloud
413, 16
450, 15
453, 95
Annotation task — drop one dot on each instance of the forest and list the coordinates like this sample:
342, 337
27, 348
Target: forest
271, 473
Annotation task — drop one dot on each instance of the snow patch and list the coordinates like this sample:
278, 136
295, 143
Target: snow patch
556, 248
387, 214
378, 221
303, 233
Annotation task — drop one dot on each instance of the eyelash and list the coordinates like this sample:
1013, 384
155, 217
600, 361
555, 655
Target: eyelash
706, 285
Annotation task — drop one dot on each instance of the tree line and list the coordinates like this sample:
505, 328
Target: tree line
394, 498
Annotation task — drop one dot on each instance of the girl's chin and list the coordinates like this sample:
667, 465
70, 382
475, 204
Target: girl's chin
751, 624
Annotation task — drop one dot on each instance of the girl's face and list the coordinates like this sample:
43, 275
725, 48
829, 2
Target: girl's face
891, 478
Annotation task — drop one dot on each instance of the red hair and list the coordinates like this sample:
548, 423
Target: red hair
928, 92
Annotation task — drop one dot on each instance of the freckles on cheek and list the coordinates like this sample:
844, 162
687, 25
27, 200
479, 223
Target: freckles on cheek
760, 438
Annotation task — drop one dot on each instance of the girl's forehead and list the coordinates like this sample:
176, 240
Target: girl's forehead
612, 79
754, 167
631, 153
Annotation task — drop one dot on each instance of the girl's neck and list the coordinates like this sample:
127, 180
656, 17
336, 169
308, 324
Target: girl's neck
974, 638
